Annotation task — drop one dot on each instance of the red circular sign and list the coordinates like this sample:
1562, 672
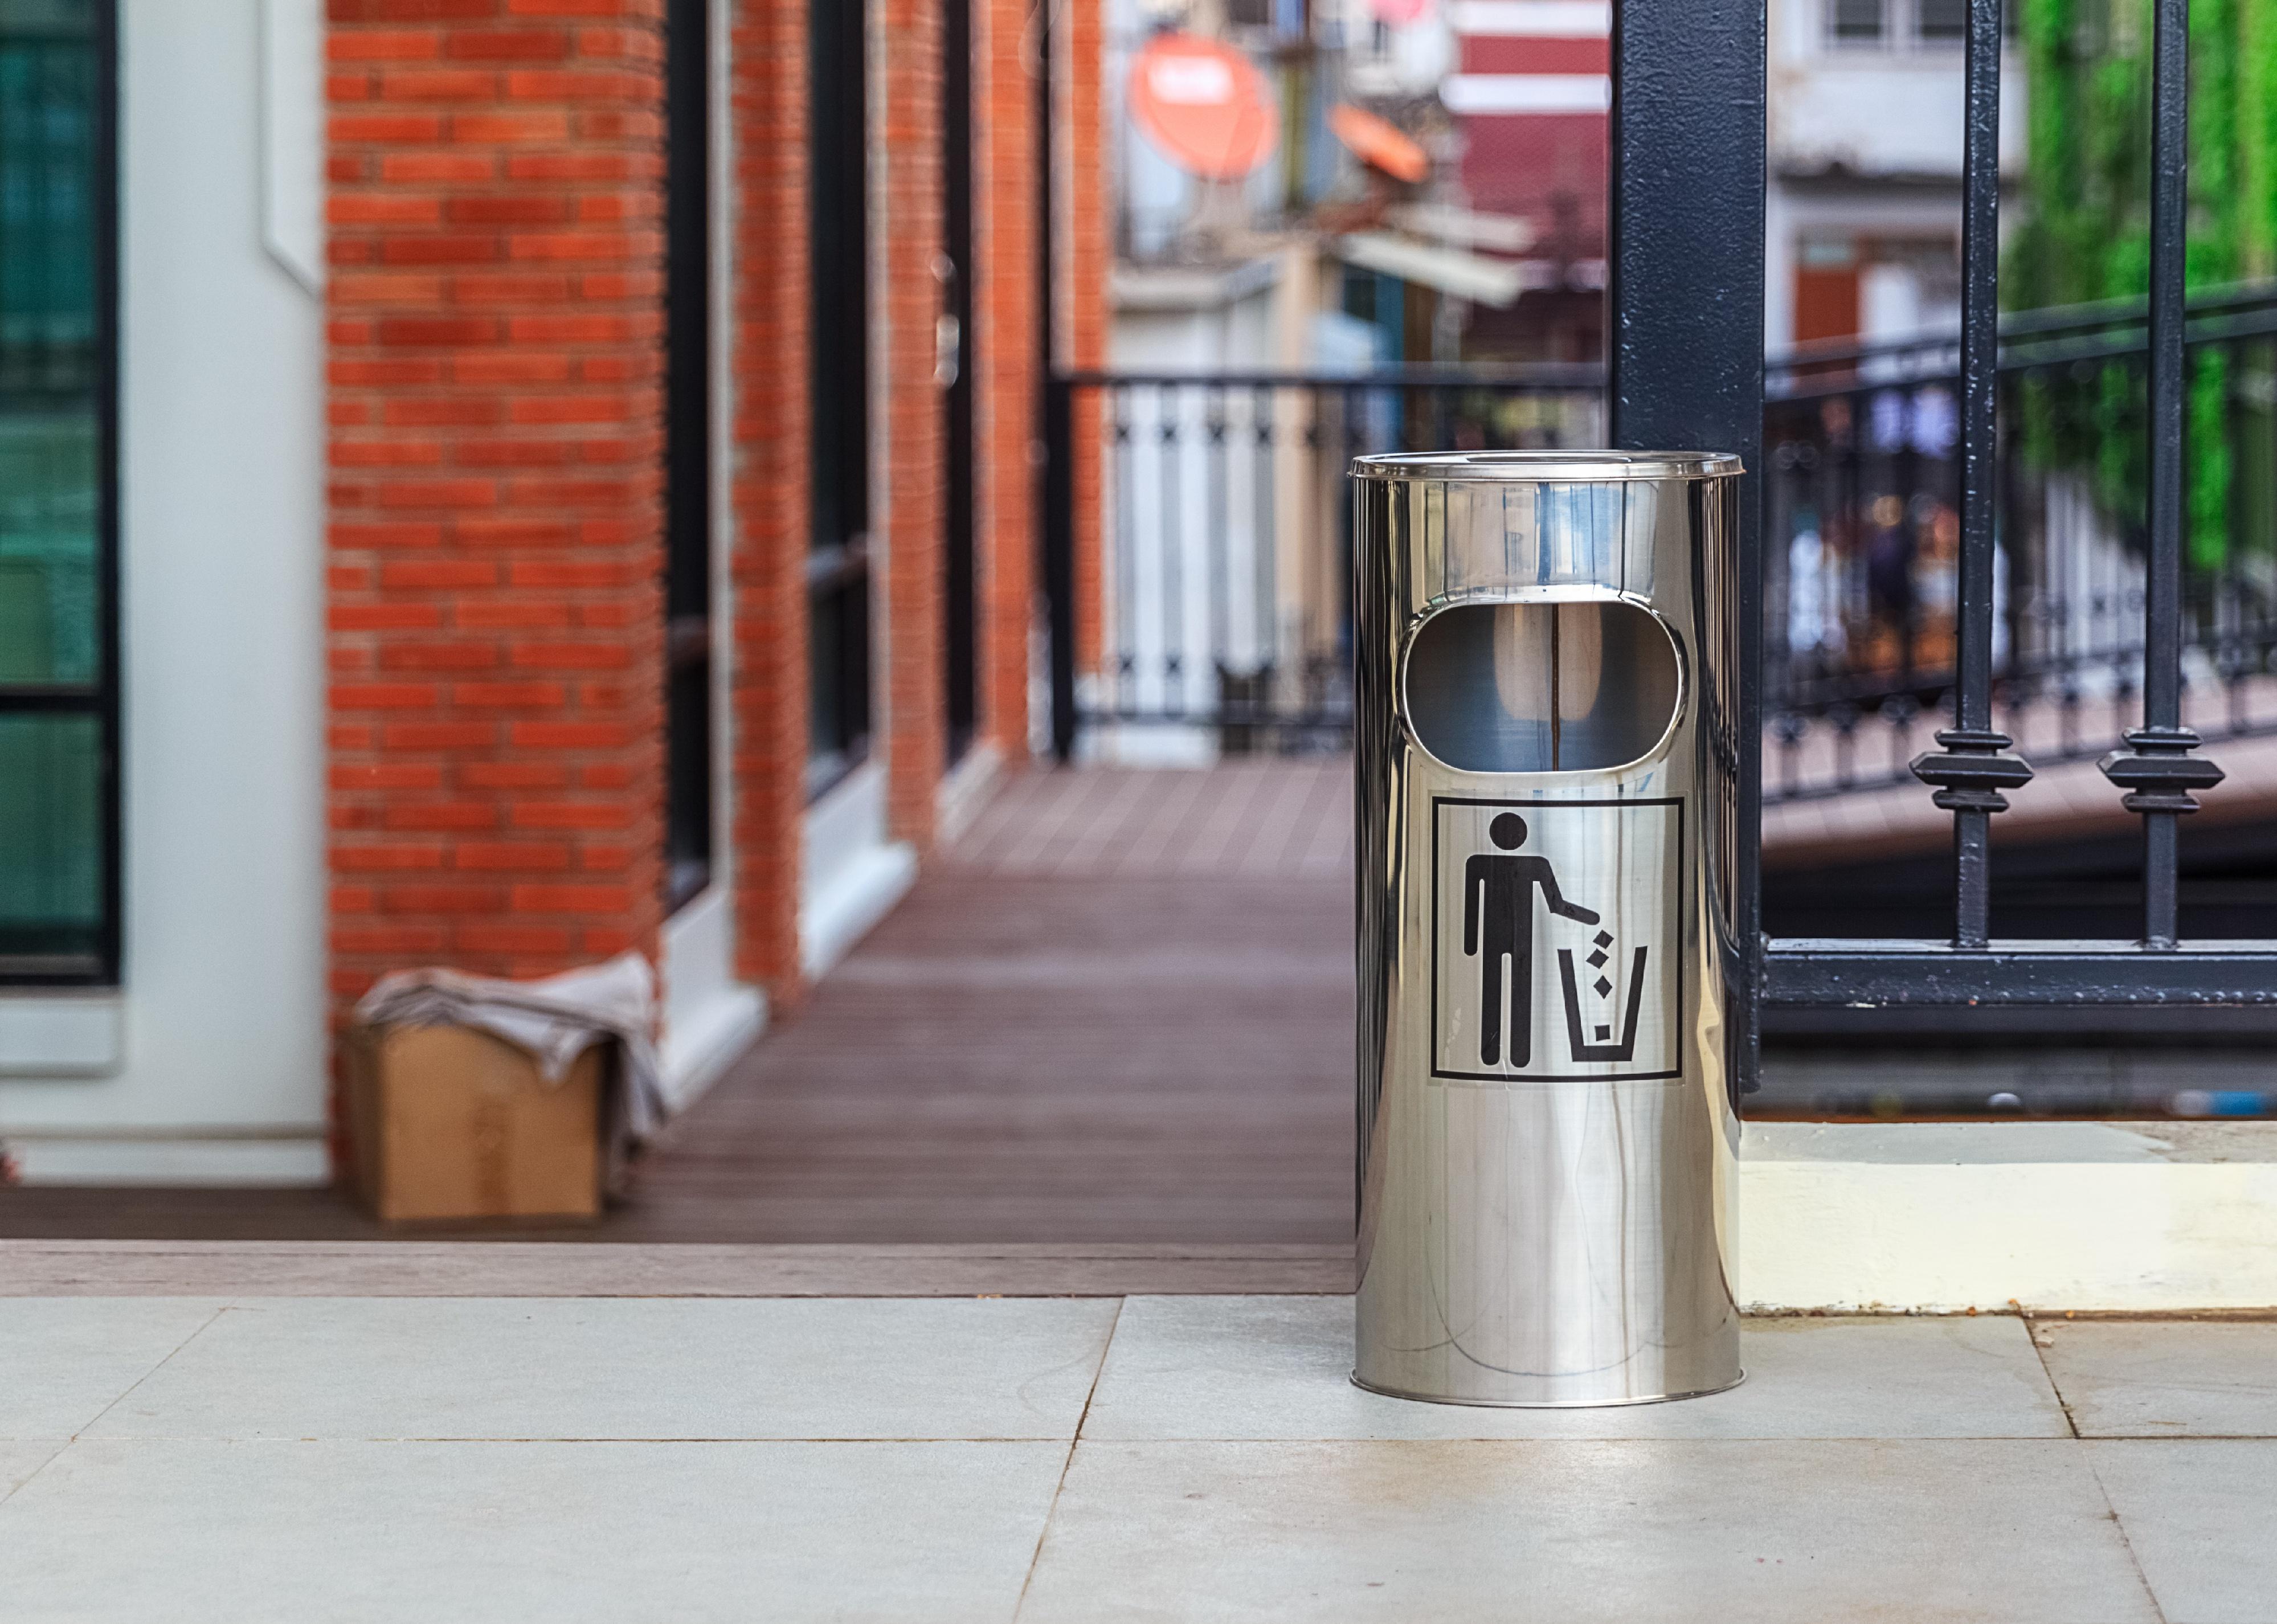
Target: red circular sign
1209, 112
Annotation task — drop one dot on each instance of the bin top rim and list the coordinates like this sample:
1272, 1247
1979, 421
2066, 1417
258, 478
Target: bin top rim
1548, 467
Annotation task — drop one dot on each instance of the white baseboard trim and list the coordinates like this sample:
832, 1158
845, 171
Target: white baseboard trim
964, 791
62, 1034
861, 891
288, 1159
699, 1044
1944, 1218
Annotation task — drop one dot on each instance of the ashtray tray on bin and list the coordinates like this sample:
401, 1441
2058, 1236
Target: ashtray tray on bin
1544, 747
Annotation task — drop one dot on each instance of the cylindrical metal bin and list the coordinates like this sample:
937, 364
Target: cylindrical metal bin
1546, 751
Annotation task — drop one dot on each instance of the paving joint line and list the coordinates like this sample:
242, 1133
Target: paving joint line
2126, 1541
135, 1386
1036, 1557
2040, 1351
36, 1470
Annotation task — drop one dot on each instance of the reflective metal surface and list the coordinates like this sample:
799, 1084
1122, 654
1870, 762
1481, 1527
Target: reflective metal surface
1547, 1139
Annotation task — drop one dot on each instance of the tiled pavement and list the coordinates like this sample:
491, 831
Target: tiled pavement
1067, 1459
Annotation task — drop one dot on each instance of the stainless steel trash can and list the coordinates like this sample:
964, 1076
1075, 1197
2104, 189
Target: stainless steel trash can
1545, 750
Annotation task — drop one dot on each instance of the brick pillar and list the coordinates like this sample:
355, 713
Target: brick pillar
906, 213
494, 351
771, 446
1086, 259
1006, 355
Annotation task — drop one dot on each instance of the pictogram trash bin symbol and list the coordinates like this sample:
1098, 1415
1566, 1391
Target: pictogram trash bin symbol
1545, 693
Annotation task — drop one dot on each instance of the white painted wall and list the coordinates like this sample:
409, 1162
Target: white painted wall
219, 1072
1865, 142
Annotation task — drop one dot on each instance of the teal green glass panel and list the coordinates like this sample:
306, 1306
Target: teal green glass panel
50, 367
51, 849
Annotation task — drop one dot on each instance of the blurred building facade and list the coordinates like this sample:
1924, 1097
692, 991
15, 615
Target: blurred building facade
1862, 213
517, 483
1492, 249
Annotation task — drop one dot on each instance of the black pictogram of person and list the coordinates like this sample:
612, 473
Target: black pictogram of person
1498, 912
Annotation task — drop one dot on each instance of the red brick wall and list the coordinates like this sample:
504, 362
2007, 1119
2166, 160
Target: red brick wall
905, 122
1086, 263
1005, 351
770, 452
494, 352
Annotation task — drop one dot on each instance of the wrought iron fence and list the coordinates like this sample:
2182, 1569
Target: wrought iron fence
1862, 572
1223, 574
1965, 564
1224, 558
1969, 984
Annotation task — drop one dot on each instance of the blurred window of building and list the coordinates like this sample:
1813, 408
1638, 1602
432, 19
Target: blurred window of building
1901, 24
1857, 22
1940, 22
838, 565
57, 717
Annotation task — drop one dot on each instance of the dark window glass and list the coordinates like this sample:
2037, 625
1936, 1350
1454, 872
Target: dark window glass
959, 586
687, 457
838, 567
57, 715
1942, 22
52, 880
1855, 21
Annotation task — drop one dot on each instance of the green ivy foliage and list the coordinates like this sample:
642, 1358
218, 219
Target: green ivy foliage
2085, 231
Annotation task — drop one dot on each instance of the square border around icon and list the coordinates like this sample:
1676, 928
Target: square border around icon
1439, 1073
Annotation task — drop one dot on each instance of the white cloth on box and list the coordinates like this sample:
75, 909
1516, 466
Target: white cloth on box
553, 1020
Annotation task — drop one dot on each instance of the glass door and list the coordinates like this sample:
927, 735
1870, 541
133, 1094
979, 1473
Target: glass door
59, 833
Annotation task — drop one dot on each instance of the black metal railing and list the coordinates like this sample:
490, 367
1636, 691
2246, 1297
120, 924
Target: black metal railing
1224, 574
2011, 556
1864, 448
1969, 984
1224, 561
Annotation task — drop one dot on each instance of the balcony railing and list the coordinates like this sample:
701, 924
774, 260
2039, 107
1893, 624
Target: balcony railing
1862, 505
1219, 581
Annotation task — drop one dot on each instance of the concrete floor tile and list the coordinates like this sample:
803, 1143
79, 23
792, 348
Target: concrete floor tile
1275, 1367
63, 1358
1569, 1532
616, 1368
2164, 1378
2200, 1514
246, 1533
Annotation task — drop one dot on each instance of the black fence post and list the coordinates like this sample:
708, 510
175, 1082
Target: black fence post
1972, 765
1059, 557
1684, 347
2158, 770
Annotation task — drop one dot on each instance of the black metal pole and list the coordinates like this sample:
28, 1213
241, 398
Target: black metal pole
2157, 769
1685, 341
1059, 558
1055, 401
1972, 766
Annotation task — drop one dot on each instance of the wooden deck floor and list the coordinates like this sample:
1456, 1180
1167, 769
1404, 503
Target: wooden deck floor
1118, 1010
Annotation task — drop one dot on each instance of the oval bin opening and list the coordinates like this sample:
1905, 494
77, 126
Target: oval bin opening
1541, 687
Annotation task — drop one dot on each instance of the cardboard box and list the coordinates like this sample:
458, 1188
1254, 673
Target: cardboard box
449, 1122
